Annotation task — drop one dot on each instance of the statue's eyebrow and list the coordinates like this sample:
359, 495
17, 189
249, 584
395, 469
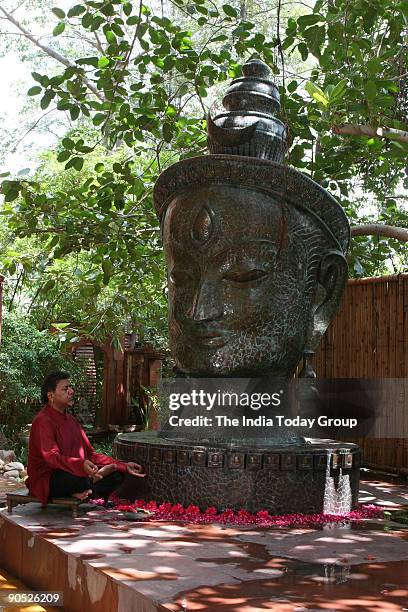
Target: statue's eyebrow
176, 246
245, 243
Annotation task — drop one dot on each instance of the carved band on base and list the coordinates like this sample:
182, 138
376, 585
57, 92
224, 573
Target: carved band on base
285, 480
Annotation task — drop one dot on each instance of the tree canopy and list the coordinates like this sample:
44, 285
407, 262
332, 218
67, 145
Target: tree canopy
136, 85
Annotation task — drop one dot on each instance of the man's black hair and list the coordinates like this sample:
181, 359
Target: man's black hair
50, 383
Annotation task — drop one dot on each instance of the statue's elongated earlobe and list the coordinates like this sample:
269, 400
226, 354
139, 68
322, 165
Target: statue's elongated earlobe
332, 277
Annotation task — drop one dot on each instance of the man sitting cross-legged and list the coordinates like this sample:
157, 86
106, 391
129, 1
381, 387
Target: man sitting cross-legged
61, 460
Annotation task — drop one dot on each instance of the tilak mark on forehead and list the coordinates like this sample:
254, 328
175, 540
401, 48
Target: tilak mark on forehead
203, 226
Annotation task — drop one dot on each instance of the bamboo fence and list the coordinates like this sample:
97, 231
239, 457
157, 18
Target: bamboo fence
369, 339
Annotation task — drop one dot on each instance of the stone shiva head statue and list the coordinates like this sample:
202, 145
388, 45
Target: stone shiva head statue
255, 250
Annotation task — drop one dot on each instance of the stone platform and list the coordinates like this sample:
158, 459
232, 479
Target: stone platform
103, 564
285, 479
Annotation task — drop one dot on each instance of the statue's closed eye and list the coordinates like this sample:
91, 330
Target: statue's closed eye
245, 276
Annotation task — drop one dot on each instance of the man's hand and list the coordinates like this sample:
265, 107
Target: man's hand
90, 468
106, 470
134, 469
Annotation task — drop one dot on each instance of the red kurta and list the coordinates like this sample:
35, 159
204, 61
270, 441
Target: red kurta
58, 442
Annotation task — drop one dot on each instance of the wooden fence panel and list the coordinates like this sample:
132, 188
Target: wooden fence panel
369, 339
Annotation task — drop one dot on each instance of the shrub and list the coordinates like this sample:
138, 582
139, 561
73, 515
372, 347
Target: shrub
26, 356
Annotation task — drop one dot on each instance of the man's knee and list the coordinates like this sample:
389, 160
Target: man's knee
65, 484
114, 479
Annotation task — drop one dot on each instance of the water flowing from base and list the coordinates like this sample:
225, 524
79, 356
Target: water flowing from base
337, 491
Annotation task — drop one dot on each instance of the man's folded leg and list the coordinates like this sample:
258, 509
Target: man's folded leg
65, 484
104, 487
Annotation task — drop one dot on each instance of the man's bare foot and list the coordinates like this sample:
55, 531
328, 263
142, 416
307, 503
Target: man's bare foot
83, 495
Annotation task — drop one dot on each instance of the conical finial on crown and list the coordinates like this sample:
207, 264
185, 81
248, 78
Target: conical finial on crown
249, 127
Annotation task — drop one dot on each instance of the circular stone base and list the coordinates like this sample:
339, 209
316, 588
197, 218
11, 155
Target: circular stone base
321, 476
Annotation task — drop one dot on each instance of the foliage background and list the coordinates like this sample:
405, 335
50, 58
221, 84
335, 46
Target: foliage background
26, 356
127, 85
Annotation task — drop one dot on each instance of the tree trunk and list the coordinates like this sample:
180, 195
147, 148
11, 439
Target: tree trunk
349, 129
378, 229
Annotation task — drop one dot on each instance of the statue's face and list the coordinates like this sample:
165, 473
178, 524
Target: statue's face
241, 282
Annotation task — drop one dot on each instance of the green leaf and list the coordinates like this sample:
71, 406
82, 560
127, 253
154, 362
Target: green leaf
46, 99
88, 61
76, 10
292, 86
124, 110
74, 112
59, 28
288, 42
110, 37
75, 162
385, 101
374, 66
370, 90
107, 271
307, 20
230, 10
64, 155
87, 20
107, 8
167, 131
134, 20
99, 167
58, 13
34, 91
303, 50
48, 285
11, 195
117, 29
316, 93
127, 8
98, 118
68, 143
292, 26
37, 77
315, 37
357, 52
339, 90
96, 23
103, 62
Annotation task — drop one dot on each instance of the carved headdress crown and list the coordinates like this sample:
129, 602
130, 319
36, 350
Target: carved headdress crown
249, 126
247, 144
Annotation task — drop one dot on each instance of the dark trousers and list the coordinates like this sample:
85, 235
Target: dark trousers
64, 484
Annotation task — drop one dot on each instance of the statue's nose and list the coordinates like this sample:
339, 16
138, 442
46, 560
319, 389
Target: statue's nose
207, 303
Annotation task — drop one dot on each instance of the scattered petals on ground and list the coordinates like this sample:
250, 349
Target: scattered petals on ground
192, 514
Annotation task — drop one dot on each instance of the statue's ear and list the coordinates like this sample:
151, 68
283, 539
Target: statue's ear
332, 278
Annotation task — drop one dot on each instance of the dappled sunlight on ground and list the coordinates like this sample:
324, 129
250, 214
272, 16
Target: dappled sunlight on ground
350, 567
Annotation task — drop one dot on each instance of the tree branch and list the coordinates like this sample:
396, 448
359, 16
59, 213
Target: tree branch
34, 125
378, 229
124, 66
51, 52
98, 43
349, 129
